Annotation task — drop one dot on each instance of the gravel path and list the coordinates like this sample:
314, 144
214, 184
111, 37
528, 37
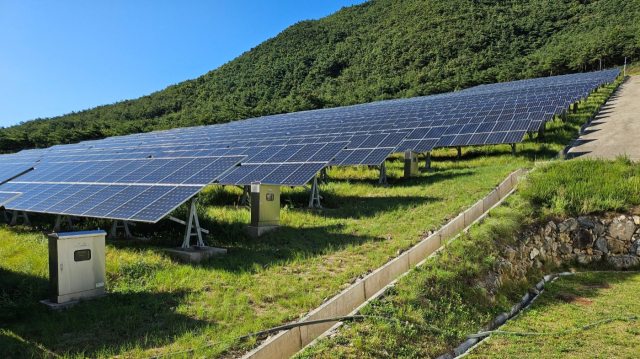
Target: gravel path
616, 129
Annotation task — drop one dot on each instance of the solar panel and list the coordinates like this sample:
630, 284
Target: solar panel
8, 196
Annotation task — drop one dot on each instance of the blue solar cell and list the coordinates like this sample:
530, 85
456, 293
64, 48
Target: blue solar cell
514, 137
139, 202
461, 140
94, 200
356, 157
284, 154
281, 173
113, 202
426, 145
376, 156
302, 174
82, 192
305, 153
237, 173
165, 204
446, 140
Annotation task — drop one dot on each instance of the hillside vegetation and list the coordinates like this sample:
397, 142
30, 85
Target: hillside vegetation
377, 50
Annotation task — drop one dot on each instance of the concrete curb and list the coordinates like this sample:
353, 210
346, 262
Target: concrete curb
287, 343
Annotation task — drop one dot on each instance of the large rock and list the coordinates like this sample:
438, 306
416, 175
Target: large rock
624, 261
622, 229
565, 248
601, 245
586, 222
534, 253
635, 248
616, 246
583, 258
550, 228
598, 230
583, 239
569, 225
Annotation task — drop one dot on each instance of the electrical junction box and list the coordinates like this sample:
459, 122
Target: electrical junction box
76, 265
411, 164
265, 204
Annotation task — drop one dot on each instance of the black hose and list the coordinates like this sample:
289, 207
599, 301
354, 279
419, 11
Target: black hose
290, 326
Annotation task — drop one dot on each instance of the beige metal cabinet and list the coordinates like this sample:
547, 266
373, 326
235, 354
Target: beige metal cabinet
265, 204
76, 265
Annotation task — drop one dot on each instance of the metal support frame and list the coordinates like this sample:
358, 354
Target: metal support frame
192, 221
324, 177
246, 195
427, 162
543, 125
16, 215
314, 200
125, 226
459, 152
6, 218
56, 227
513, 149
383, 175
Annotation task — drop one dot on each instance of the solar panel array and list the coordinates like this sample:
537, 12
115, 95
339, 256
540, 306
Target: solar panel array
144, 176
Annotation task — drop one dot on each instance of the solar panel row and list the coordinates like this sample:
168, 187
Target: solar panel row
143, 176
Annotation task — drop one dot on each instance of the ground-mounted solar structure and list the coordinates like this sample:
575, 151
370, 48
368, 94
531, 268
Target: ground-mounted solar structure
143, 177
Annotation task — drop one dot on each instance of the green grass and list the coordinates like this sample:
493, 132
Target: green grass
570, 303
158, 306
585, 186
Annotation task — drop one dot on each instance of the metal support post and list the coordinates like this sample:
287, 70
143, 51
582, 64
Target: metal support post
513, 149
6, 218
383, 175
315, 194
56, 227
125, 226
427, 164
541, 129
459, 152
324, 177
246, 198
192, 221
16, 215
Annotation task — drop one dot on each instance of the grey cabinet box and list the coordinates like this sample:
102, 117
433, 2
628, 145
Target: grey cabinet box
411, 164
265, 204
76, 265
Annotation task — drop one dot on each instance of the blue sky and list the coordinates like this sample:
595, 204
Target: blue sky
62, 56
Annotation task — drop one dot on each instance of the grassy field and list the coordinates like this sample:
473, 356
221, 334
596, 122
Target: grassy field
157, 306
568, 304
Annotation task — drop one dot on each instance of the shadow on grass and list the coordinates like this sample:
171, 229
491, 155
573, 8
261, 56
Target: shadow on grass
128, 320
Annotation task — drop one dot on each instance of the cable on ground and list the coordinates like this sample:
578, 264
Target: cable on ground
562, 332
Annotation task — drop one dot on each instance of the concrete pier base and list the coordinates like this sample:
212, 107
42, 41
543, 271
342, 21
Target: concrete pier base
194, 254
255, 231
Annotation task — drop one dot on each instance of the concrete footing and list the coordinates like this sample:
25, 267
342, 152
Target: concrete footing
194, 254
257, 231
60, 306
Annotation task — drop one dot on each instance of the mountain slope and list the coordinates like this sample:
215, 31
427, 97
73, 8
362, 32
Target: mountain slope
378, 50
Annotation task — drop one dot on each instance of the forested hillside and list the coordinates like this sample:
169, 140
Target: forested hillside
378, 50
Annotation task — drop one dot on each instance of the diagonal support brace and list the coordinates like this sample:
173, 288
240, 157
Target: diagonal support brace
56, 227
383, 175
16, 215
192, 223
314, 201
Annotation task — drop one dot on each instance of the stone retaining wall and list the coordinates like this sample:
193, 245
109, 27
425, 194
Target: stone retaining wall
612, 241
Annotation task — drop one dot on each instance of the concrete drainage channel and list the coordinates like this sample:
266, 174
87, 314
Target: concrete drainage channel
287, 343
